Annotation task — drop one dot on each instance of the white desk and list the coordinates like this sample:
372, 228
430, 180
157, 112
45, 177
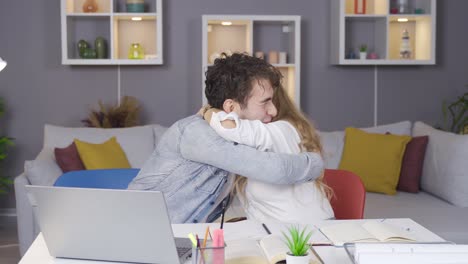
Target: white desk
39, 254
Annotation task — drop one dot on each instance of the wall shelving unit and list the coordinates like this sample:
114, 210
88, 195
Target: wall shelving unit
115, 24
381, 28
251, 34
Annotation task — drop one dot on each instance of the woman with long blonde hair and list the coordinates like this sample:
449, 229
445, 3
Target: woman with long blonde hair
290, 132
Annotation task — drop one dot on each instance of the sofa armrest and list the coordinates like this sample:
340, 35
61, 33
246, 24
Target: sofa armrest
27, 227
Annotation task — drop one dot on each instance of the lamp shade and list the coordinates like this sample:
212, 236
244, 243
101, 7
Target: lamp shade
2, 64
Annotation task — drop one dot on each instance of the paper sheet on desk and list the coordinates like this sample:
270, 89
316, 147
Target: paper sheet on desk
419, 232
244, 229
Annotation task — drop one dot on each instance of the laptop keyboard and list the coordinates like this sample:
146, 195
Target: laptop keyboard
183, 246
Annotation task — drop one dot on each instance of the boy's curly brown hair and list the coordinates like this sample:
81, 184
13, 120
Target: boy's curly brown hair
232, 77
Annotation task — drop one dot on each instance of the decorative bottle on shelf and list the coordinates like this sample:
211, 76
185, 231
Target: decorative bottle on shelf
90, 6
101, 47
136, 51
405, 46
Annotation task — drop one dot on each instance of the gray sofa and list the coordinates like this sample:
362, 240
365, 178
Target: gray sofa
137, 142
442, 204
436, 214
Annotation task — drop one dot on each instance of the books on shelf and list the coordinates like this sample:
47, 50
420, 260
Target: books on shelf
370, 231
268, 250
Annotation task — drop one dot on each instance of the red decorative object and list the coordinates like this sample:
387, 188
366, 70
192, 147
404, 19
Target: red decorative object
393, 10
359, 6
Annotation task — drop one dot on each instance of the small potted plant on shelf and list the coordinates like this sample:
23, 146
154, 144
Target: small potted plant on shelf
363, 52
297, 242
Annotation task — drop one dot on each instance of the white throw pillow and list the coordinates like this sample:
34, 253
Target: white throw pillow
445, 170
333, 142
137, 142
43, 170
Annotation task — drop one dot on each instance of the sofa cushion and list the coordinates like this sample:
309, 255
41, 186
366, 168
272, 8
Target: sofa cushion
333, 142
137, 142
107, 155
445, 170
43, 170
411, 167
375, 158
68, 158
100, 179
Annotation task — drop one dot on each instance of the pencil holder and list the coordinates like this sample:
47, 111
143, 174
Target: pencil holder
208, 254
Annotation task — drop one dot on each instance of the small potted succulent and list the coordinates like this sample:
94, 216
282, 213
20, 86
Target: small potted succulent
297, 242
363, 52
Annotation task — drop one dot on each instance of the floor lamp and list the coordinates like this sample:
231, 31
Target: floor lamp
3, 64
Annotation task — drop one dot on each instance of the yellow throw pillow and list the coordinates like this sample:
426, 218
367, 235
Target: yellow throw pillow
375, 158
108, 155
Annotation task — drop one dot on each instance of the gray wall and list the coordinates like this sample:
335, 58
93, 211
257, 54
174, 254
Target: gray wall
39, 90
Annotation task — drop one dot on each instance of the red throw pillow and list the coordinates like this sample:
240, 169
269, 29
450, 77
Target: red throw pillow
68, 158
412, 165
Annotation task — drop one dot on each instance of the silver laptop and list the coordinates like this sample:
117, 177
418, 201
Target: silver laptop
111, 225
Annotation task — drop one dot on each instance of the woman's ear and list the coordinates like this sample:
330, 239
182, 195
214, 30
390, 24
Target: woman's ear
229, 105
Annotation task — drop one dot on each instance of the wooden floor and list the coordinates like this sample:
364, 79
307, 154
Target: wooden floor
9, 250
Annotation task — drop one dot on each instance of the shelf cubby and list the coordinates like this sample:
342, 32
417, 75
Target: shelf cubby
119, 6
251, 34
274, 36
236, 37
76, 6
85, 28
420, 31
372, 7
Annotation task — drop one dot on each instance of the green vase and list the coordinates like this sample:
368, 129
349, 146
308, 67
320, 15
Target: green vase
101, 48
82, 46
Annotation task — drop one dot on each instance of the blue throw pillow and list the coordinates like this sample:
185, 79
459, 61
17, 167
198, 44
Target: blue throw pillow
101, 179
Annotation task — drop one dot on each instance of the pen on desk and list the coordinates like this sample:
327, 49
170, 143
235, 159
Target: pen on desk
324, 244
202, 257
317, 255
206, 236
321, 244
225, 201
266, 228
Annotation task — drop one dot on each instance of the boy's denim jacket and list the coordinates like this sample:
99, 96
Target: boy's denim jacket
191, 164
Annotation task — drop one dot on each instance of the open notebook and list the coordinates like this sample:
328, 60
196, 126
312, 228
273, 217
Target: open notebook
268, 250
370, 231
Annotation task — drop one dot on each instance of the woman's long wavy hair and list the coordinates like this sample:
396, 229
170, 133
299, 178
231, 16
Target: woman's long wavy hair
310, 140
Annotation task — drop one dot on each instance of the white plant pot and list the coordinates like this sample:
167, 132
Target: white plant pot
297, 259
363, 55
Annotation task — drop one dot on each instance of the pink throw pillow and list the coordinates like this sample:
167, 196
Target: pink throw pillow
412, 165
68, 158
